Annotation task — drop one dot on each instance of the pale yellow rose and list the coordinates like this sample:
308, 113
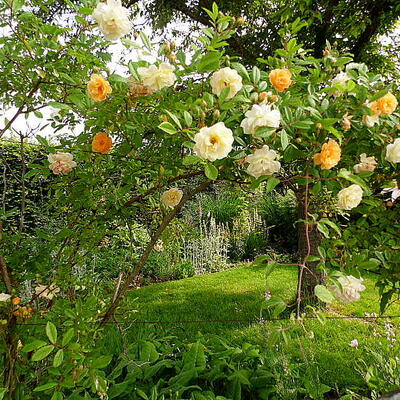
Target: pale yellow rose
113, 19
262, 162
4, 297
366, 164
393, 151
47, 292
351, 288
350, 197
223, 78
213, 143
156, 78
172, 197
61, 163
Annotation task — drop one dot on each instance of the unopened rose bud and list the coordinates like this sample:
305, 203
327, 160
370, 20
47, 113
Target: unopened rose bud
346, 122
273, 98
172, 57
389, 203
166, 47
319, 126
240, 21
262, 96
216, 114
164, 117
202, 115
254, 97
173, 45
327, 53
299, 140
201, 124
16, 300
136, 35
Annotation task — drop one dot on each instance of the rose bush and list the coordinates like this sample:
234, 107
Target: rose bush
192, 120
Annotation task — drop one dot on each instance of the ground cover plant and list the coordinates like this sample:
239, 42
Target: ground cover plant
143, 130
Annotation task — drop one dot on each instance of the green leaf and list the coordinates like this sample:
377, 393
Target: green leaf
42, 140
323, 294
86, 11
174, 118
68, 336
211, 172
51, 332
57, 396
270, 268
343, 173
33, 346
145, 40
209, 62
58, 358
2, 392
190, 160
224, 94
43, 352
101, 362
17, 5
168, 127
271, 184
256, 74
284, 139
380, 94
241, 70
58, 105
323, 229
330, 223
188, 119
47, 386
306, 124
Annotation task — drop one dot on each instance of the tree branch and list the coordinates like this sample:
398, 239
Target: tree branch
143, 259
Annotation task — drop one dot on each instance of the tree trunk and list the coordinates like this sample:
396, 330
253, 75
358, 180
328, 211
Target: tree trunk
309, 238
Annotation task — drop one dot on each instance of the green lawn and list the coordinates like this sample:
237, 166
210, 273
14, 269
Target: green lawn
237, 294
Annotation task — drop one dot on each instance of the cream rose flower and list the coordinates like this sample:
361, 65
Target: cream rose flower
340, 79
260, 116
113, 19
48, 292
172, 197
351, 288
350, 197
156, 78
393, 151
262, 162
370, 120
4, 297
366, 164
61, 163
213, 143
223, 78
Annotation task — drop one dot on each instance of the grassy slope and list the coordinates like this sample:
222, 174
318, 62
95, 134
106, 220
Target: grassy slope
238, 294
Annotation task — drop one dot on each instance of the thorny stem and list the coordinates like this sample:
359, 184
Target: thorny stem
303, 265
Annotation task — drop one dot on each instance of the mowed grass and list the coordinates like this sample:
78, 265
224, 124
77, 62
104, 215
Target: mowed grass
236, 296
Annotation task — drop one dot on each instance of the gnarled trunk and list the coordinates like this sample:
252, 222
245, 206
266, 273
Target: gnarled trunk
309, 238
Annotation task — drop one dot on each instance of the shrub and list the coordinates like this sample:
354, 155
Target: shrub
280, 215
